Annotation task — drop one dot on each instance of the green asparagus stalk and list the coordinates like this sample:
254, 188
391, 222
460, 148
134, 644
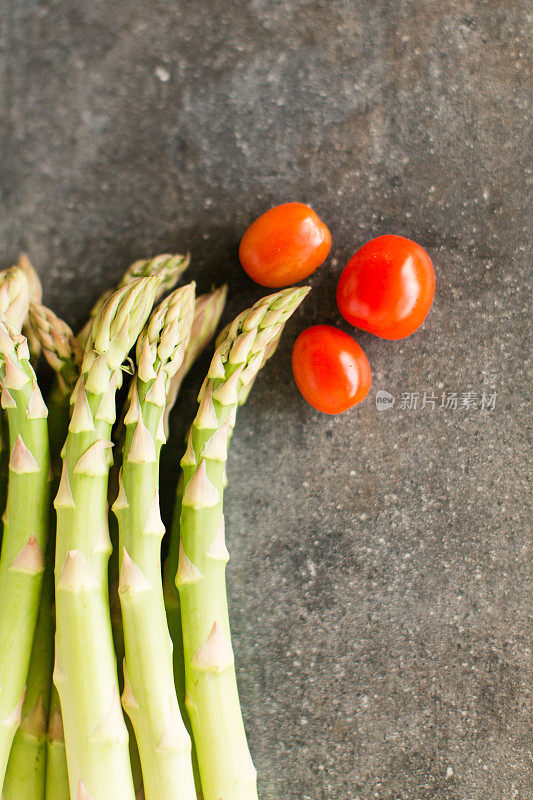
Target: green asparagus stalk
207, 312
168, 268
26, 766
57, 787
208, 309
173, 610
64, 354
226, 768
85, 668
25, 775
14, 300
25, 528
172, 604
149, 695
117, 632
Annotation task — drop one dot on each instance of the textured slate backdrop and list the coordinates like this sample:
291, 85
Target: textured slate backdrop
378, 559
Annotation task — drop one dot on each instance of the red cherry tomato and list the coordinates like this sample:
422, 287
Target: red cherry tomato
284, 245
330, 369
387, 287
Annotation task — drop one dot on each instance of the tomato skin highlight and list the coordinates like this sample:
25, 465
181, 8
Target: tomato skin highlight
330, 369
387, 287
284, 245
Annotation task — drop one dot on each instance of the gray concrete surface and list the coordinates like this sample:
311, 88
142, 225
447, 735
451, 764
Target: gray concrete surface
379, 559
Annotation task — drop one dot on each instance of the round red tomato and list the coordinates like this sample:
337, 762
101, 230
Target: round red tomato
284, 245
387, 287
330, 369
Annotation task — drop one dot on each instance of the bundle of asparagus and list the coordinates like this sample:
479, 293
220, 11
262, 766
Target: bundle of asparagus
62, 731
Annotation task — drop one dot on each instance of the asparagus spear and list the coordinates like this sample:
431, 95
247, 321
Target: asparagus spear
25, 528
85, 669
14, 299
149, 696
168, 268
226, 768
207, 312
25, 771
62, 351
172, 603
173, 610
208, 309
25, 775
57, 787
64, 354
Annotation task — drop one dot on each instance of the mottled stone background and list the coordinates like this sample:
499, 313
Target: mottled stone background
379, 559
